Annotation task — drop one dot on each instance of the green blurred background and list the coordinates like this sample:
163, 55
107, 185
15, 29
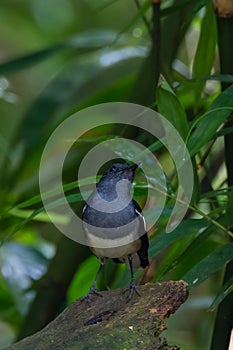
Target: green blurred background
60, 56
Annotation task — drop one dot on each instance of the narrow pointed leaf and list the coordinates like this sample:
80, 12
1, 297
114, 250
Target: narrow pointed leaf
170, 108
209, 265
187, 227
207, 125
206, 48
225, 290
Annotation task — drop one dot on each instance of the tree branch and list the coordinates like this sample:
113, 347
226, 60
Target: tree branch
111, 323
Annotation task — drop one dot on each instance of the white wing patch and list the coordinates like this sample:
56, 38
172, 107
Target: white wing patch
141, 217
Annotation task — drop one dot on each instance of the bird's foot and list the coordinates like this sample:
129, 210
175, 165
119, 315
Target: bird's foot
132, 288
93, 291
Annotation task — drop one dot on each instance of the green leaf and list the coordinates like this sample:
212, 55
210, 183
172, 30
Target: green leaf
95, 73
225, 191
40, 215
84, 42
28, 264
229, 210
177, 242
224, 132
174, 26
226, 78
212, 263
225, 290
180, 4
72, 198
170, 107
56, 191
83, 279
8, 308
205, 53
186, 228
29, 60
207, 125
200, 247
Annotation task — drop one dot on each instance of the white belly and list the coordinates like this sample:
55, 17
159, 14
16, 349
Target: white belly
120, 252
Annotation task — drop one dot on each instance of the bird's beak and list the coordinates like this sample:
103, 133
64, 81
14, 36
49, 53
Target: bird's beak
134, 167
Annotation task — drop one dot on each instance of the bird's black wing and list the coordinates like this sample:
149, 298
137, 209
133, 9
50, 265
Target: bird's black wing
143, 251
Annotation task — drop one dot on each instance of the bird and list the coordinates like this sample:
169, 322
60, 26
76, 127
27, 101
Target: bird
114, 224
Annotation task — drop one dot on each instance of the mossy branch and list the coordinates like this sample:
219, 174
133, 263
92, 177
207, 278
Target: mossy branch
111, 323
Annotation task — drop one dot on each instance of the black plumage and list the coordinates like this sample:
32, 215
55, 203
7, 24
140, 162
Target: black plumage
114, 224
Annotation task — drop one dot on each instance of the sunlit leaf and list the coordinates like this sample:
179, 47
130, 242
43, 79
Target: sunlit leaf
40, 216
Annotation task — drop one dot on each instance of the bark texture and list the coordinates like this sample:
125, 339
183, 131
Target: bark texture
109, 322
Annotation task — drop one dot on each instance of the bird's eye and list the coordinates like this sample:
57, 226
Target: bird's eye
113, 168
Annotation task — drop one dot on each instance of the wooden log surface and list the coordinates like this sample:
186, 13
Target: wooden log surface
111, 323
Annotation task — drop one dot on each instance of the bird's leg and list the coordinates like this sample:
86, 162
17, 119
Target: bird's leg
93, 289
132, 286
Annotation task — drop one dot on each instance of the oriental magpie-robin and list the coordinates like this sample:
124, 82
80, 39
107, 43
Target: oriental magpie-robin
114, 224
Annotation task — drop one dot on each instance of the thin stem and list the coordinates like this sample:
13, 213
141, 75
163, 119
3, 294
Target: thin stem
214, 222
145, 20
204, 157
156, 39
198, 211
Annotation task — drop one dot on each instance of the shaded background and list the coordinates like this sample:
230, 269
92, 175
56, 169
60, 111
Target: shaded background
60, 56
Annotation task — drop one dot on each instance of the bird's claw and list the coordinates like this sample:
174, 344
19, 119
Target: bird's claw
132, 288
93, 291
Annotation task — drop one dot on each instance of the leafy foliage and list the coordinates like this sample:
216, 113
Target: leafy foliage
44, 83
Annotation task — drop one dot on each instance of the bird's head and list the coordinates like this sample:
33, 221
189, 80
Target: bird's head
117, 179
120, 171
